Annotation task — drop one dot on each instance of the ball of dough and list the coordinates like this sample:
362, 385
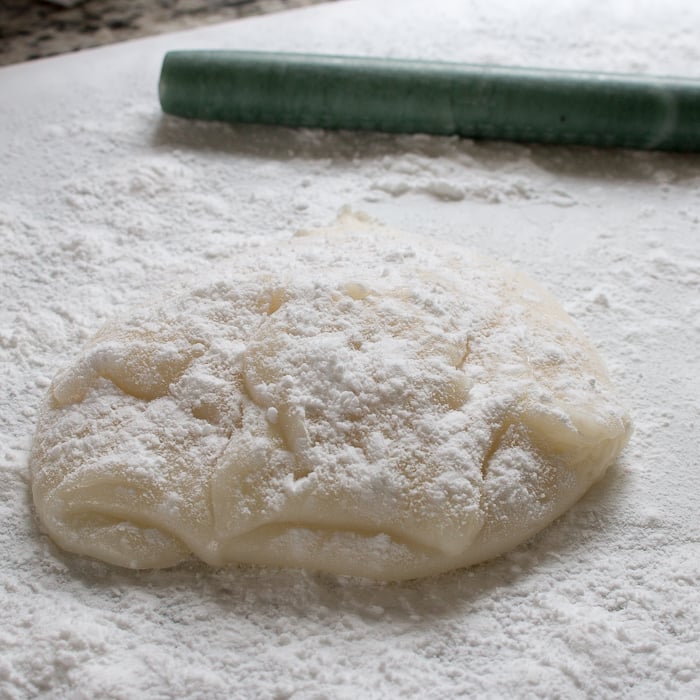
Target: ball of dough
355, 401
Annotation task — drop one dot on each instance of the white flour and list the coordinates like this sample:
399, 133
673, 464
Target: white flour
103, 203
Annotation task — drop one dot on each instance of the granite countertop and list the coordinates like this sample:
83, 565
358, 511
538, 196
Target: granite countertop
38, 29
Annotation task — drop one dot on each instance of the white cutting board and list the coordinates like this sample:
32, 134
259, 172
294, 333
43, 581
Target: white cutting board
103, 201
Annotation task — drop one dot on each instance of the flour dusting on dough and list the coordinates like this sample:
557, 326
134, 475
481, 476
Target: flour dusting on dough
353, 401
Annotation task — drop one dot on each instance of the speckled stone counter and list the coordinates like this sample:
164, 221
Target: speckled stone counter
37, 29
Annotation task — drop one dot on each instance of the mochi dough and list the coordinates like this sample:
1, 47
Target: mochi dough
353, 400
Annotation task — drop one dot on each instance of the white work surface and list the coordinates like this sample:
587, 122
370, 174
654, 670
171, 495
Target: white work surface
103, 201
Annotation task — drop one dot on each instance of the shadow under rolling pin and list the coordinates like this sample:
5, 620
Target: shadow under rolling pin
404, 96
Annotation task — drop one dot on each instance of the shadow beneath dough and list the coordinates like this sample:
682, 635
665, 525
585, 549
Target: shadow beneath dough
294, 595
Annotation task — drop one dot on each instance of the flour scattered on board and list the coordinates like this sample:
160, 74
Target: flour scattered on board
104, 204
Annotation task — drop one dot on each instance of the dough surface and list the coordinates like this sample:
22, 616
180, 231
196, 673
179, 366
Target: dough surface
355, 401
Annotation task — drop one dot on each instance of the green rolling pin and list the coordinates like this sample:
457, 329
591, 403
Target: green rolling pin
402, 96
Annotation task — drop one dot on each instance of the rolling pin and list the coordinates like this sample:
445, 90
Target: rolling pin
406, 96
